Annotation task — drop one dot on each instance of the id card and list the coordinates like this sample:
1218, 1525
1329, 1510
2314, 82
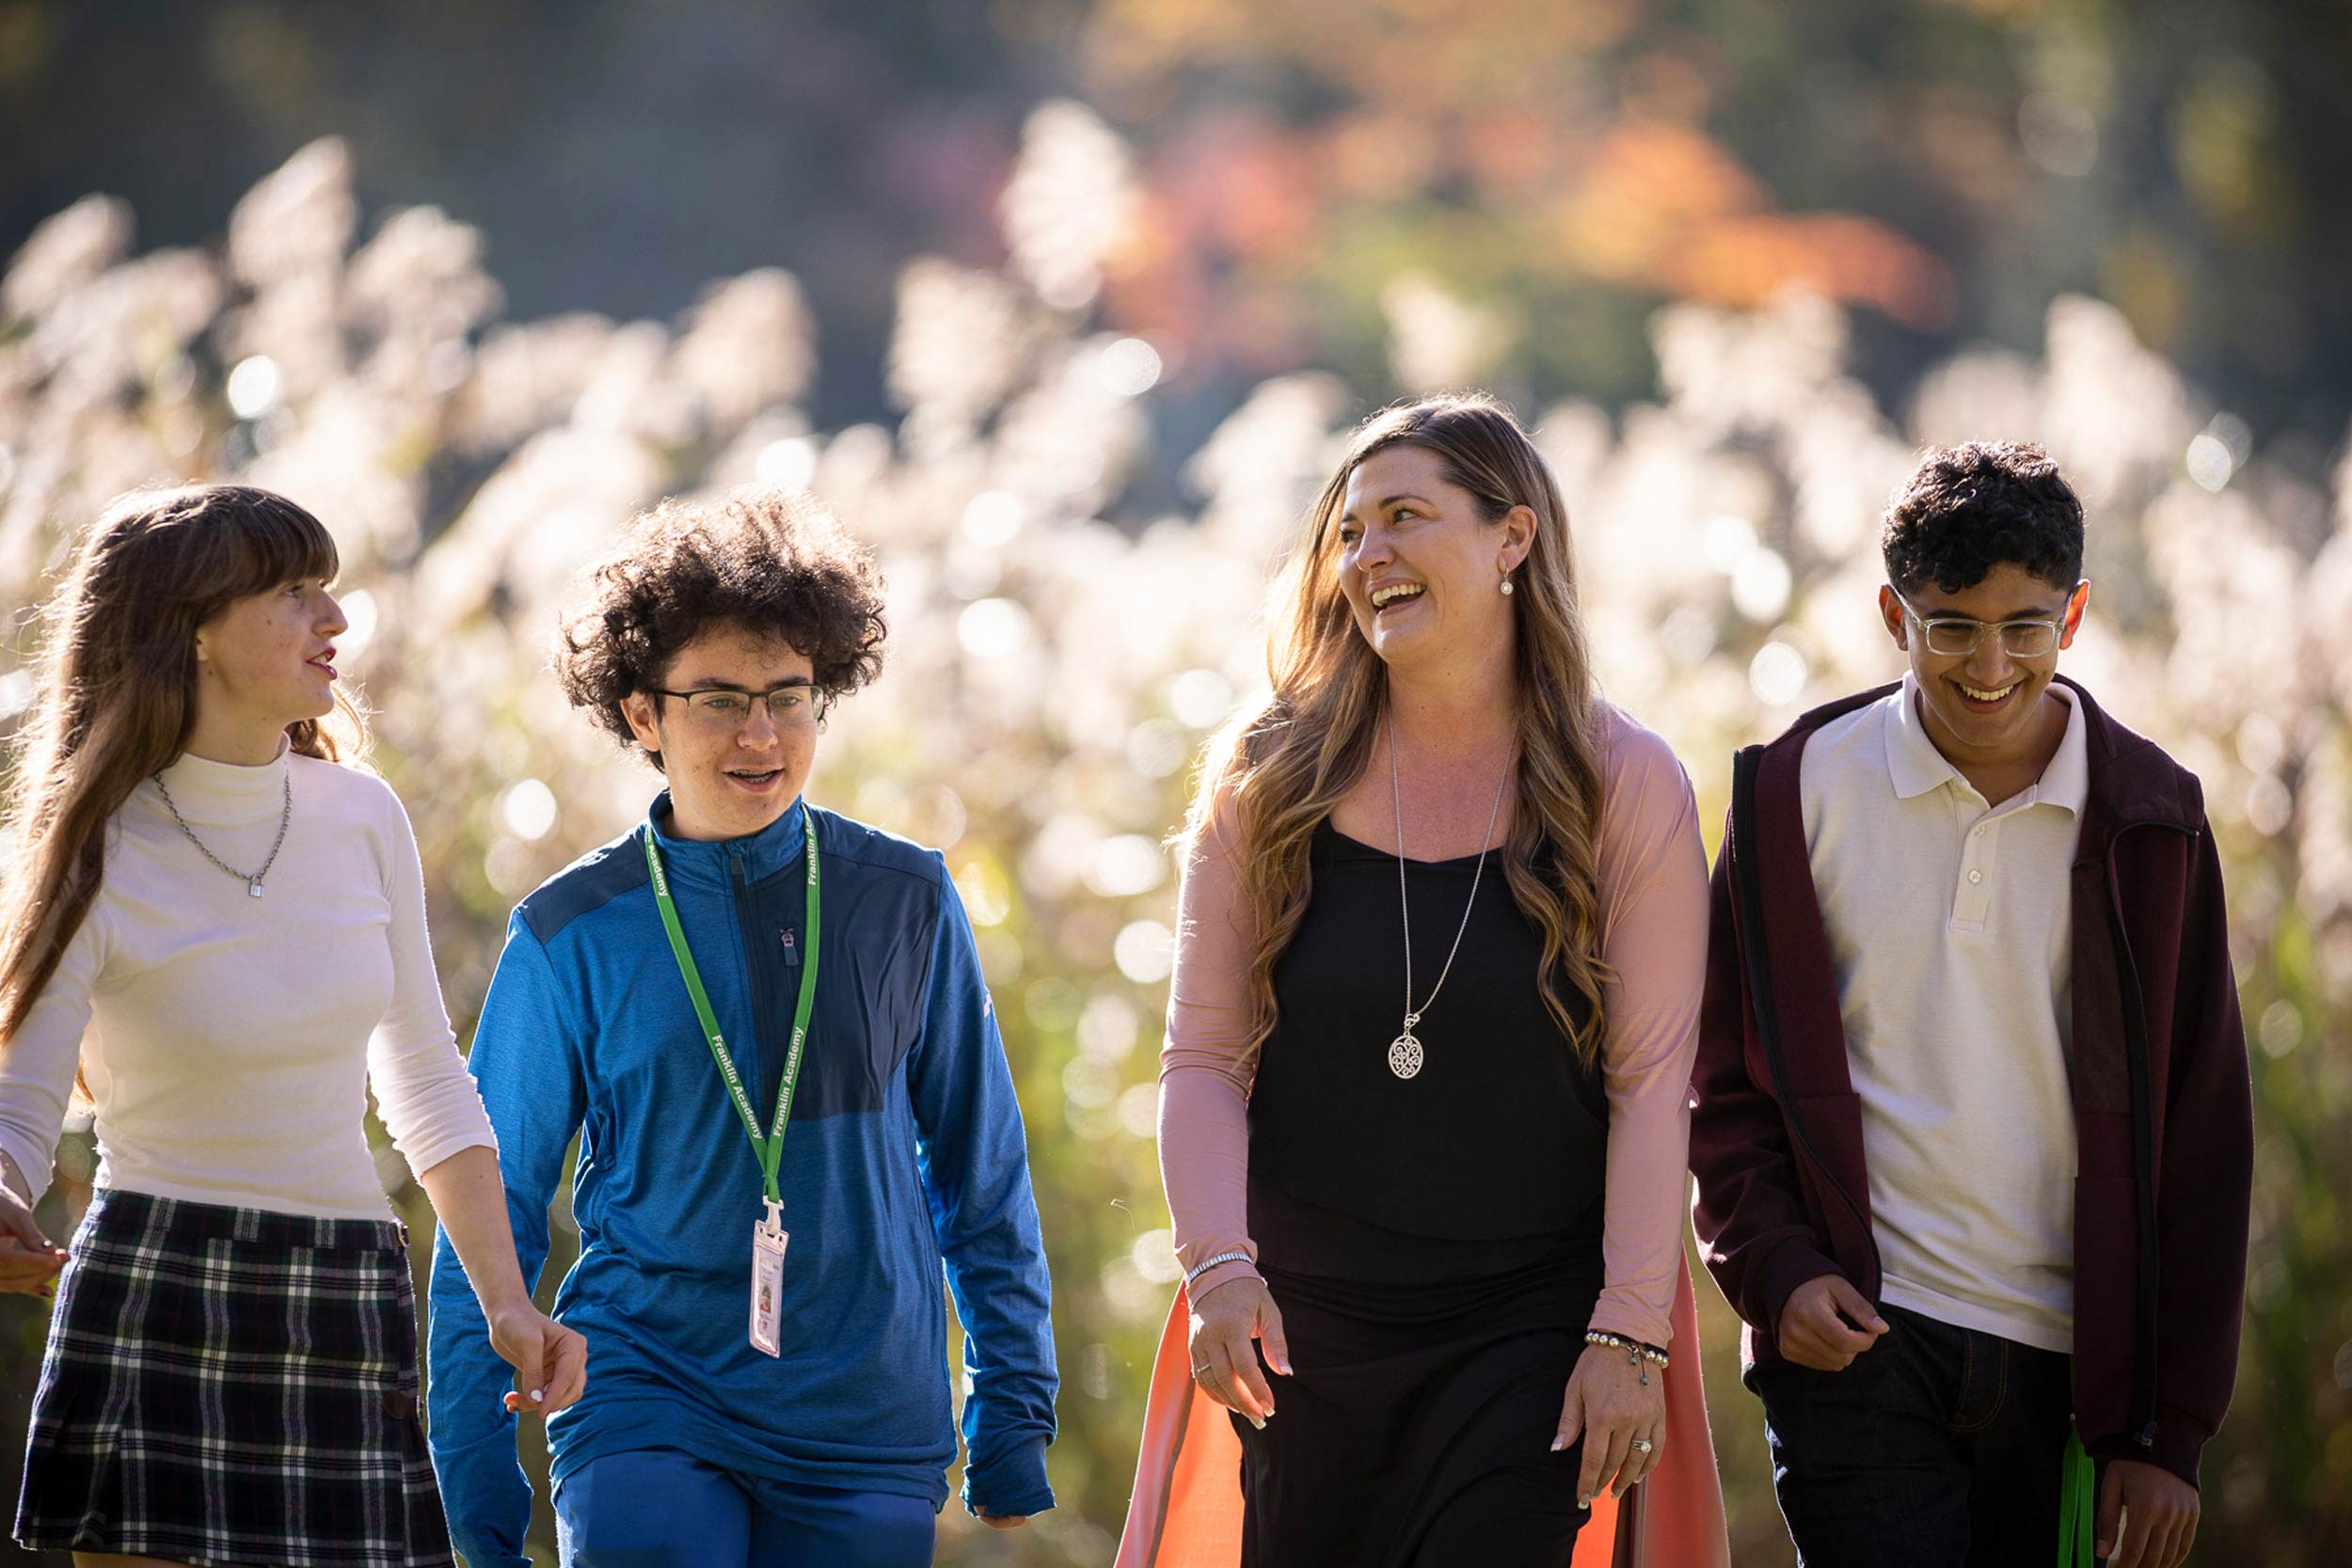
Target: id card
767, 1241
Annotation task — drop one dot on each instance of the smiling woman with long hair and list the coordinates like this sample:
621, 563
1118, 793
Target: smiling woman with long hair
216, 924
1442, 933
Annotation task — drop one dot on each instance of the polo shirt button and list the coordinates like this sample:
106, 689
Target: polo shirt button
1975, 876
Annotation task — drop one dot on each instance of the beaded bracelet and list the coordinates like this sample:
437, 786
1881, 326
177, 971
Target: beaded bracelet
1636, 1352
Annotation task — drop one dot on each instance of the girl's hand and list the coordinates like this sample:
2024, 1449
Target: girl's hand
29, 1262
550, 1361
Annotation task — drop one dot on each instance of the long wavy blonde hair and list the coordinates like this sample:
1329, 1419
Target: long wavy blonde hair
1286, 764
115, 696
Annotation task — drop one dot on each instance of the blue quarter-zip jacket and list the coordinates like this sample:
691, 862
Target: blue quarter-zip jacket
904, 1150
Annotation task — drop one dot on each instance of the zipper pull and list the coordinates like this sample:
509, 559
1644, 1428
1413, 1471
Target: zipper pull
791, 944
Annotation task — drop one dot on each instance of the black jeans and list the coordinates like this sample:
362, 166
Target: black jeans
1938, 1448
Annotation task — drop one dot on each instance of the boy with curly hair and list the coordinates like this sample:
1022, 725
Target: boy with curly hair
767, 1026
1973, 1129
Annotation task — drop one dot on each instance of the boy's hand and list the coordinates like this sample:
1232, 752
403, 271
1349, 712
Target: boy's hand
2159, 1516
1826, 1324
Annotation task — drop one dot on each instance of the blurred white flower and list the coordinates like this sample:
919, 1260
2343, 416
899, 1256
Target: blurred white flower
1070, 203
63, 253
749, 344
1437, 339
297, 220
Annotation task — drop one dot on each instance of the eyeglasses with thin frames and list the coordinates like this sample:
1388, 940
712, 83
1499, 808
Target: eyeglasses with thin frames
1958, 636
726, 708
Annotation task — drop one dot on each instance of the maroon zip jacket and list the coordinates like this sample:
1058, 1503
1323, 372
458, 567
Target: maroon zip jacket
2162, 1108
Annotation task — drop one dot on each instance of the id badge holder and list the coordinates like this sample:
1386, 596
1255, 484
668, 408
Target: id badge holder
768, 1243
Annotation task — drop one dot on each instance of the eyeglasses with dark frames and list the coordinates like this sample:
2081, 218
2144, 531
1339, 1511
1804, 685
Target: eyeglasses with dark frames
791, 707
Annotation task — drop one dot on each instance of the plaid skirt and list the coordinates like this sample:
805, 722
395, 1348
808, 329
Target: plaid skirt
232, 1386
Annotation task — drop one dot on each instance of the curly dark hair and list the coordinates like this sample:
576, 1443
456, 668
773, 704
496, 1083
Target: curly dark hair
1967, 509
770, 561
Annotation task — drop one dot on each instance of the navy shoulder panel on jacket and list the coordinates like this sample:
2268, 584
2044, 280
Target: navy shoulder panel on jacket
590, 883
850, 840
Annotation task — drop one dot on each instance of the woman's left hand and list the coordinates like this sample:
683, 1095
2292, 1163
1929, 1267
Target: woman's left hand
550, 1361
1609, 1406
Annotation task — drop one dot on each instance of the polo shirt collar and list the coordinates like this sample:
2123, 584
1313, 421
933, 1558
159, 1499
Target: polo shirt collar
1912, 760
2066, 782
1915, 766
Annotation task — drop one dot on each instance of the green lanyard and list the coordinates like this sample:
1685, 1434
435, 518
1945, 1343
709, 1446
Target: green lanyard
2076, 1503
770, 1148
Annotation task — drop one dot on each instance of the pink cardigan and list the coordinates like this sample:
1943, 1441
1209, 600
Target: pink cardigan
1652, 873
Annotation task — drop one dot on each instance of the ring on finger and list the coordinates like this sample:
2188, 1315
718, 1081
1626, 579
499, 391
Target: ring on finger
1643, 1444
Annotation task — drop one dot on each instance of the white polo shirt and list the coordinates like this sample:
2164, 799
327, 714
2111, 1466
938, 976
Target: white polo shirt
1950, 925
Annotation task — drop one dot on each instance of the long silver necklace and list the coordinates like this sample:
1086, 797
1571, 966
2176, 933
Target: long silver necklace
252, 879
1405, 1053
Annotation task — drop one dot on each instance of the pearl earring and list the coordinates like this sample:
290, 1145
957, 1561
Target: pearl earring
1506, 585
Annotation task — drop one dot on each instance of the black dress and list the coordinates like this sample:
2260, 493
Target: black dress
1434, 1244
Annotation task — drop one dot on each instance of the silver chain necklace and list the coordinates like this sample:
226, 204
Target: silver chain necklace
252, 879
1405, 1053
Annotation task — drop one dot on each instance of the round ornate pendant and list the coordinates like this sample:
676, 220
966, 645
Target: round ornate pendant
1405, 1054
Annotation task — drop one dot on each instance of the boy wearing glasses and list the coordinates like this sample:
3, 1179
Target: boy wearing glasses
767, 1026
1973, 1129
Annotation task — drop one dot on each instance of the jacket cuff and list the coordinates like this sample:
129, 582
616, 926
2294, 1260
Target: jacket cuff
2180, 1439
1015, 1485
1784, 1269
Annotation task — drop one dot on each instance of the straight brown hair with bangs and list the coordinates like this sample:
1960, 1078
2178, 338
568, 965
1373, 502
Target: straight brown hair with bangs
1283, 769
115, 695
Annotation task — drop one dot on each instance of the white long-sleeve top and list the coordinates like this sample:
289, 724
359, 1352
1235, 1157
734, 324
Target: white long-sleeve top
230, 1040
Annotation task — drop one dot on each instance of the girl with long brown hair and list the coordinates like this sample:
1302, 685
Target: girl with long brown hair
216, 924
1441, 940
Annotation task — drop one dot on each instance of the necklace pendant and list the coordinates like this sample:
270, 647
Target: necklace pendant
1404, 1057
253, 887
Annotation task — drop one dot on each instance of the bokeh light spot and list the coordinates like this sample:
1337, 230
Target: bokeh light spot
1129, 367
991, 517
1154, 1257
359, 612
1126, 866
789, 464
1201, 698
1776, 675
993, 629
528, 809
253, 386
1144, 951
